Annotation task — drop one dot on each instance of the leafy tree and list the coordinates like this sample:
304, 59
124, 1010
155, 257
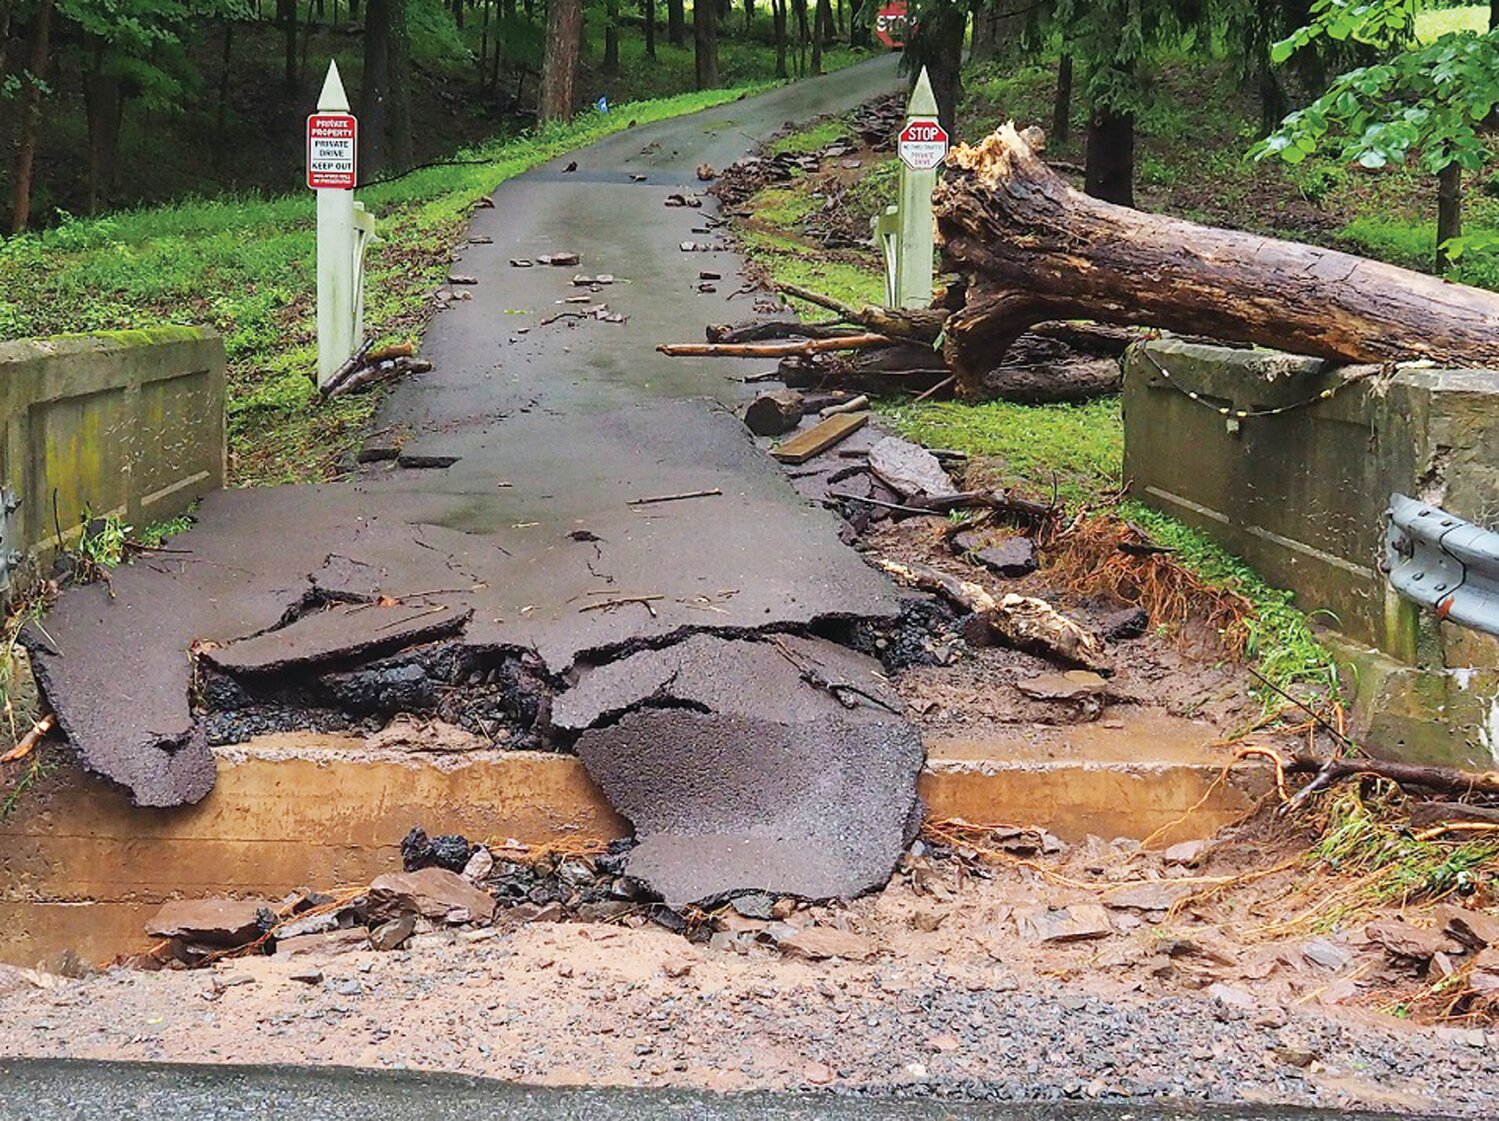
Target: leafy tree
1424, 105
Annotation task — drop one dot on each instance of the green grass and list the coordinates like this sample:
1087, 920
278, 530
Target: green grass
794, 262
1282, 645
1081, 446
246, 265
813, 139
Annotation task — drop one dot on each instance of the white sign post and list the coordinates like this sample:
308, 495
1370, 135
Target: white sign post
905, 231
332, 144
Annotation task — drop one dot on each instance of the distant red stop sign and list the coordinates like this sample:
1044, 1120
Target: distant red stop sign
890, 24
922, 144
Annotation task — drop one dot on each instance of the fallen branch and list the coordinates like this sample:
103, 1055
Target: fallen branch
1023, 622
773, 350
776, 329
27, 743
920, 324
622, 601
1447, 780
674, 497
372, 375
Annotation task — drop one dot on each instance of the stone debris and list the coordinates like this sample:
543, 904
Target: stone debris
1151, 898
818, 943
392, 935
1185, 854
909, 469
1012, 558
212, 922
479, 865
1073, 685
1079, 922
1473, 929
558, 259
1327, 955
432, 893
450, 851
1401, 939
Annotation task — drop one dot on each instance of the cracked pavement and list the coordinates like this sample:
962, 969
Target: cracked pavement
523, 565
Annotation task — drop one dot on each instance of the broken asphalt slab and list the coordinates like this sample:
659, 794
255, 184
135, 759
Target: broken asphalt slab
368, 598
747, 764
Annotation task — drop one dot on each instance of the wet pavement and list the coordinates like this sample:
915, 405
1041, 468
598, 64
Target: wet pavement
51, 1090
503, 550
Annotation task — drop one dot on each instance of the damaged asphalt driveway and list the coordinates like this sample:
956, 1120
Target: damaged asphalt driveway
565, 542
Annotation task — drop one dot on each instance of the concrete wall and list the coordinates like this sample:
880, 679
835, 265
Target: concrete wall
1301, 496
126, 422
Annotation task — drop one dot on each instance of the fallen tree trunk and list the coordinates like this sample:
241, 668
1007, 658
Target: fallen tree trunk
1031, 249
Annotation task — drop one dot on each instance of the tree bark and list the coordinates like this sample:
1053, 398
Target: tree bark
31, 113
799, 9
858, 26
559, 70
1110, 170
705, 43
374, 90
221, 117
982, 48
401, 139
778, 23
1449, 211
104, 106
817, 35
676, 22
286, 15
611, 38
1030, 248
648, 13
1061, 106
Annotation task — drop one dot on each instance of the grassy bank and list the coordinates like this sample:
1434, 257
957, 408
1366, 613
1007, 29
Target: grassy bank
247, 265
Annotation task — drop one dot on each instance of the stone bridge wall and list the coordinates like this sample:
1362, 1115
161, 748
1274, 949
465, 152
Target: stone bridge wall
1301, 496
128, 423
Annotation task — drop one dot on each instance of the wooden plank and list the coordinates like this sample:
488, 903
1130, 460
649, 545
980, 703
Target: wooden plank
820, 437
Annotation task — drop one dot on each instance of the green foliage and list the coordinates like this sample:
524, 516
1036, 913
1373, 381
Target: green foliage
1428, 103
1079, 447
1360, 840
1281, 643
813, 139
100, 545
1378, 23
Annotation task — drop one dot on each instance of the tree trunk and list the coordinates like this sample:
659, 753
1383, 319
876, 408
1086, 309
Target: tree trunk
104, 105
374, 90
6, 15
1110, 170
1061, 106
1494, 15
458, 13
705, 43
1449, 211
648, 12
778, 22
982, 49
611, 38
221, 117
484, 45
402, 143
749, 16
559, 70
817, 36
676, 22
1030, 248
286, 15
799, 7
31, 113
858, 26
936, 42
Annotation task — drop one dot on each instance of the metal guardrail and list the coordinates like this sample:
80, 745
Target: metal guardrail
1443, 563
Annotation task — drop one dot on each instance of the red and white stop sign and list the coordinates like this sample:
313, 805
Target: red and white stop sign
890, 24
922, 144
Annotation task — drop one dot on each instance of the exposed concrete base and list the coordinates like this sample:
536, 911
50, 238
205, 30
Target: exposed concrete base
83, 868
1413, 714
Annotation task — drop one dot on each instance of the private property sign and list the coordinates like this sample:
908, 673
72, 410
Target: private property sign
332, 139
922, 144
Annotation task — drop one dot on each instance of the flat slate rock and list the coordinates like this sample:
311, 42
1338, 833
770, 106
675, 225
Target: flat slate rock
909, 469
